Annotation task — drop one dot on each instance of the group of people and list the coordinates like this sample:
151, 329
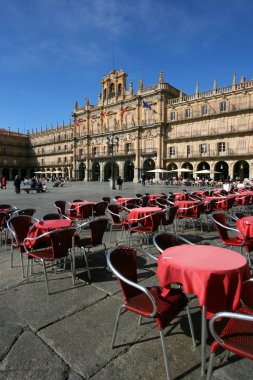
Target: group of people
34, 182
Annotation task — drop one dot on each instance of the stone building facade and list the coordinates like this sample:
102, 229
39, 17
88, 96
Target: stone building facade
128, 133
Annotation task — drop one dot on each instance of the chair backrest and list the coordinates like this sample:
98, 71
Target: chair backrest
61, 207
122, 259
113, 210
156, 219
20, 225
99, 208
4, 207
170, 215
133, 201
106, 199
220, 225
209, 206
144, 200
138, 195
161, 201
230, 203
78, 200
239, 215
86, 210
3, 218
61, 241
164, 240
26, 211
51, 216
97, 229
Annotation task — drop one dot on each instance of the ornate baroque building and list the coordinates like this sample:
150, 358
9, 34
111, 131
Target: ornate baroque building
158, 126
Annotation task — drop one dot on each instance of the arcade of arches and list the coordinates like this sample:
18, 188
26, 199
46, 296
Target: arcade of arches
219, 171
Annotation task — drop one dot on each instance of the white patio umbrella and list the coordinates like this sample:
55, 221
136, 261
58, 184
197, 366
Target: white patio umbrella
182, 170
57, 172
39, 172
158, 171
205, 171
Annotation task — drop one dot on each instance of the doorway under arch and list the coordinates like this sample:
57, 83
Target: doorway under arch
81, 171
241, 170
148, 164
108, 171
221, 167
95, 171
128, 171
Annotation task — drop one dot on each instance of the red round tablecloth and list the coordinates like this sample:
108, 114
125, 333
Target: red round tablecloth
214, 274
245, 225
44, 226
74, 207
140, 212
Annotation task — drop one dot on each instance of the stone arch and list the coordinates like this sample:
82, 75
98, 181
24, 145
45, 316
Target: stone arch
148, 164
223, 169
171, 166
241, 170
108, 170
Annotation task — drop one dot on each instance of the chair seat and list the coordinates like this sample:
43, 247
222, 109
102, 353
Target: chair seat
85, 242
167, 307
44, 254
142, 229
237, 336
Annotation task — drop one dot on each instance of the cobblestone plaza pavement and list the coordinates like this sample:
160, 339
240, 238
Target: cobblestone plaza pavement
67, 335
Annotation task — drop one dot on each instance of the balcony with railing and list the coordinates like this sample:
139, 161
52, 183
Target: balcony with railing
210, 153
192, 132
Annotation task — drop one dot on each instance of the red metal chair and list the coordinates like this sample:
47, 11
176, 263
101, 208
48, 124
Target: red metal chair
118, 223
237, 335
61, 207
19, 227
228, 240
57, 247
191, 214
145, 302
99, 209
169, 218
97, 229
145, 226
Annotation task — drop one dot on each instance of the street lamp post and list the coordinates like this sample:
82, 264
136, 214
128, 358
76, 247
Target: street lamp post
112, 140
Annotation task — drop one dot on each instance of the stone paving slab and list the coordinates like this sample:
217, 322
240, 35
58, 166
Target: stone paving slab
30, 358
88, 335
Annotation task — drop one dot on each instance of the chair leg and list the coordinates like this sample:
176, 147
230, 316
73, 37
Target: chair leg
121, 309
210, 366
165, 357
86, 262
45, 273
22, 264
191, 326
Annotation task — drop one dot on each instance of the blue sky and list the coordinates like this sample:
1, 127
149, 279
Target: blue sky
54, 52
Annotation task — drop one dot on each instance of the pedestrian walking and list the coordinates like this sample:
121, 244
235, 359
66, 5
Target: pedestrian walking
143, 180
119, 182
17, 183
3, 182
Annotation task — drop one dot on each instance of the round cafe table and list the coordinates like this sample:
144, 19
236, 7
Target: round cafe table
245, 225
44, 226
214, 274
140, 212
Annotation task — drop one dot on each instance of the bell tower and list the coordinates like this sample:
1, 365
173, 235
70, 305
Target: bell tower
113, 87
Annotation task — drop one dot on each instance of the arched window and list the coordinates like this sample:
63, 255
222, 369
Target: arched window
112, 91
119, 89
105, 93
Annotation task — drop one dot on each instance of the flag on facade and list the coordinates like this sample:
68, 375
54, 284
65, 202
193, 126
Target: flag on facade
122, 111
77, 124
103, 114
147, 105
